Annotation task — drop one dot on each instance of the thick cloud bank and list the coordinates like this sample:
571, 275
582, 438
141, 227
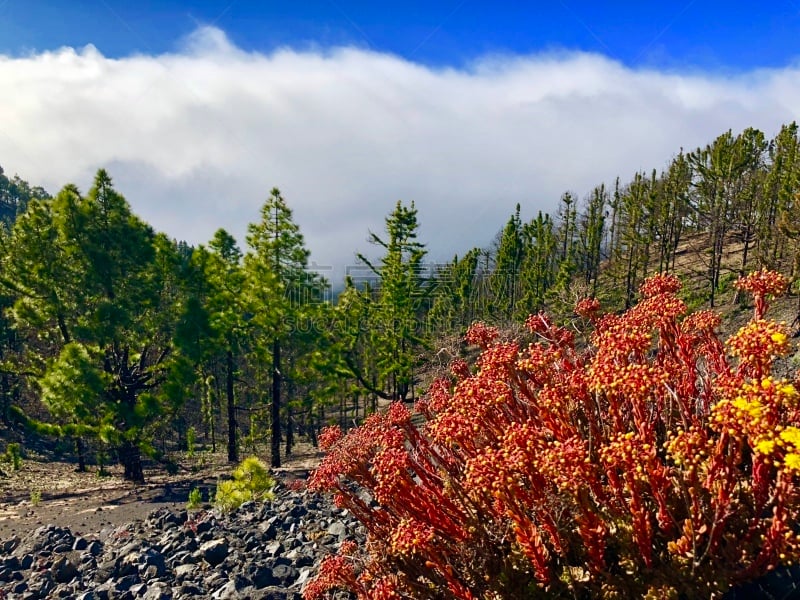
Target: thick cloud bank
196, 138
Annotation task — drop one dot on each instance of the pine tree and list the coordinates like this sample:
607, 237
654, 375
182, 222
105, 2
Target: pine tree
278, 287
540, 264
671, 210
401, 297
781, 182
453, 304
720, 170
507, 262
636, 232
592, 229
100, 290
220, 267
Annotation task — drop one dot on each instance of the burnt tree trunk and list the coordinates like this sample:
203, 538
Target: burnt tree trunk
131, 458
5, 400
276, 404
289, 431
80, 451
233, 454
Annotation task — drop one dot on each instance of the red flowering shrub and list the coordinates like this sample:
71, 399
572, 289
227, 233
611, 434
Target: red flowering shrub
762, 284
588, 308
480, 334
649, 464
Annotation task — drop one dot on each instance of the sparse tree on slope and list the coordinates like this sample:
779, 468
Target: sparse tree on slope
507, 262
540, 263
402, 295
454, 295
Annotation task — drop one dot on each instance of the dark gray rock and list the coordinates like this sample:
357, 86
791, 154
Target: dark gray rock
275, 548
63, 570
19, 588
338, 529
125, 583
186, 572
105, 571
80, 544
214, 551
152, 562
285, 575
127, 565
94, 548
261, 575
40, 584
191, 590
262, 551
7, 546
204, 526
158, 591
268, 529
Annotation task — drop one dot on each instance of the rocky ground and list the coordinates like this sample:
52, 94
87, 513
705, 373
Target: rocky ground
65, 534
264, 551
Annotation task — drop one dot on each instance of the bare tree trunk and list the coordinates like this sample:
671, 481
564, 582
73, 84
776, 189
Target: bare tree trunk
276, 403
5, 399
80, 450
233, 453
289, 431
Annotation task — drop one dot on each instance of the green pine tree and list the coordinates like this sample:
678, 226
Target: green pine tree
278, 289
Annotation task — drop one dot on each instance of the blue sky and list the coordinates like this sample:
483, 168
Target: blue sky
198, 109
711, 34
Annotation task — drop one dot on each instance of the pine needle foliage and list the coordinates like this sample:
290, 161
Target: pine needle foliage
251, 482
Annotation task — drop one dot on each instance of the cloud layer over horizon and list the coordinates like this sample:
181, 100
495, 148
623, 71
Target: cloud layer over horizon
196, 138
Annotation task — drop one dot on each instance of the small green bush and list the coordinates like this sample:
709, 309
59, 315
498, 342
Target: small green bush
13, 455
251, 481
191, 439
195, 499
36, 497
102, 460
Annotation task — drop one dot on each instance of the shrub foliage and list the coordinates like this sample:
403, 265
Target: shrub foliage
649, 460
251, 482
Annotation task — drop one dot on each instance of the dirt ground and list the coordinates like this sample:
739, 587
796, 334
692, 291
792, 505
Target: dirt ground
45, 492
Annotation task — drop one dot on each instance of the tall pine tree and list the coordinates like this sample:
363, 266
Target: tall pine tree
278, 287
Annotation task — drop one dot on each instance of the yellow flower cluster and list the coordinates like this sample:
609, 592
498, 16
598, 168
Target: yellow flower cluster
757, 343
756, 410
757, 414
789, 441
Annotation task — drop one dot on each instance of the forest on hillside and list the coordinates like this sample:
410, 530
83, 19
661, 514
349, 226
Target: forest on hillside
121, 342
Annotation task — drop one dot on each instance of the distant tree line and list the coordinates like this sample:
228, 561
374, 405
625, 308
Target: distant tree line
739, 192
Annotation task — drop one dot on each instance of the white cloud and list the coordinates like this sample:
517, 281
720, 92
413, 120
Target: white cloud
195, 139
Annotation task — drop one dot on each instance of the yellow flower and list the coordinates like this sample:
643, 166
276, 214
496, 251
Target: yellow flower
792, 436
752, 408
793, 461
778, 337
765, 446
741, 403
